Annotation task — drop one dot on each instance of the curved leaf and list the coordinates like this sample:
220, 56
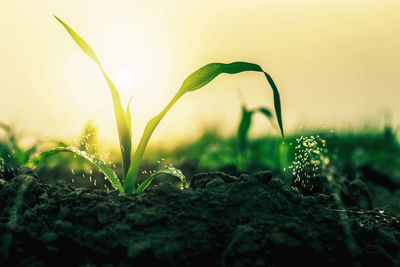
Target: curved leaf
195, 81
110, 174
277, 101
267, 113
167, 170
124, 130
207, 73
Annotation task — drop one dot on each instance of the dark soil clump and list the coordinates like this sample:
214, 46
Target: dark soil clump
221, 220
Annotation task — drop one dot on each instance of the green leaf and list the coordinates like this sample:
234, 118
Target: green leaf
29, 152
244, 127
207, 73
194, 81
128, 117
6, 128
124, 130
12, 138
277, 101
110, 174
79, 41
167, 170
266, 112
19, 155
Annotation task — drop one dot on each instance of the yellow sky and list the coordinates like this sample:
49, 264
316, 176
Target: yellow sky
336, 63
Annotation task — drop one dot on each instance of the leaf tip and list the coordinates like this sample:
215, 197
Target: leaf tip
129, 102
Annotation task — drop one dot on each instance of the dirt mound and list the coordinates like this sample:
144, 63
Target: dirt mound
221, 220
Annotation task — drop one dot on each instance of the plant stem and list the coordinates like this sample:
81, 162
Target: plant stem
123, 131
129, 186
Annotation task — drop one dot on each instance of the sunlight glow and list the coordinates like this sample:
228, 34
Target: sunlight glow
123, 80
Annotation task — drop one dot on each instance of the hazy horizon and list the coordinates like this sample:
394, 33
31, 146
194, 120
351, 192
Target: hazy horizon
335, 63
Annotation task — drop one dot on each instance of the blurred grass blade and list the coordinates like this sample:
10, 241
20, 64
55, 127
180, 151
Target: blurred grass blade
6, 128
124, 130
195, 81
267, 113
12, 138
110, 174
59, 143
88, 139
244, 127
19, 155
167, 170
29, 152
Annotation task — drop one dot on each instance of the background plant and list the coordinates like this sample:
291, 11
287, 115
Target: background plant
13, 154
130, 169
244, 127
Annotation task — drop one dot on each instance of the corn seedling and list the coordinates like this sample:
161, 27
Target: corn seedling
130, 166
13, 154
244, 128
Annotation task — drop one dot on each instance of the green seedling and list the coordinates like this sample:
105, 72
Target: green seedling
244, 128
10, 150
87, 142
130, 166
15, 155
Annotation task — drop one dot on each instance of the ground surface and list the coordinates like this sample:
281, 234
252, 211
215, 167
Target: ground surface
220, 220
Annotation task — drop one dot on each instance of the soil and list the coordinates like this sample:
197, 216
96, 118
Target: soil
220, 220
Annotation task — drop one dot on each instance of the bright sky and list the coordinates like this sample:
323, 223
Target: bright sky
336, 63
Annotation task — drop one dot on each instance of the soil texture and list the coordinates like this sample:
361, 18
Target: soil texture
220, 220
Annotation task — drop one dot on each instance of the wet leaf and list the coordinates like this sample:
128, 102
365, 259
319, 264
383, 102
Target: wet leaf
167, 170
110, 175
124, 130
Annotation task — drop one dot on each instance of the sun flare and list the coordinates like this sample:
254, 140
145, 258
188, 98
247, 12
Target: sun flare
123, 80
